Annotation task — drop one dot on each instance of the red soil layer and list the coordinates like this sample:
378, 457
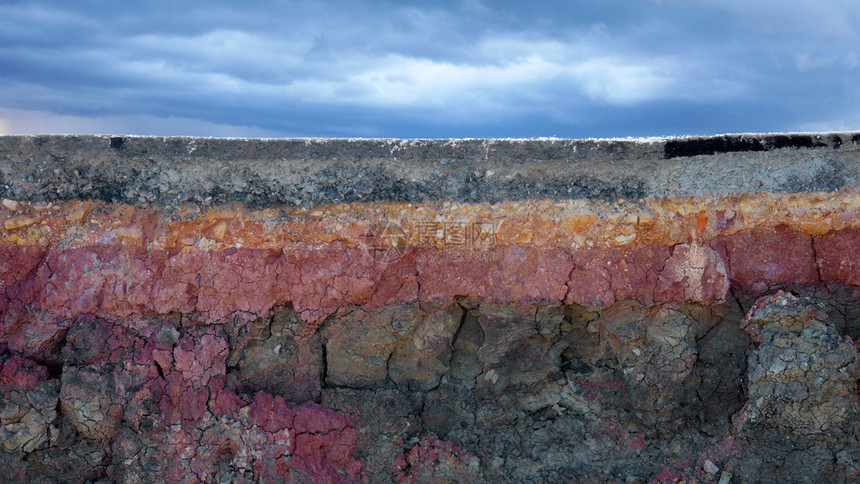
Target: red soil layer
118, 281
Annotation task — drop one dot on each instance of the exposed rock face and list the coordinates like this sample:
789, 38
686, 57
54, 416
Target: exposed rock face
802, 383
430, 311
29, 405
803, 376
276, 361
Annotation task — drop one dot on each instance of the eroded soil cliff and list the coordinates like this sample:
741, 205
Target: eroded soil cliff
573, 311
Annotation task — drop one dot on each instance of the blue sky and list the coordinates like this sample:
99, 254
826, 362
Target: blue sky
428, 69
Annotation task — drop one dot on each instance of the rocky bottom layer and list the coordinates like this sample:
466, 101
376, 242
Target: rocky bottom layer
751, 390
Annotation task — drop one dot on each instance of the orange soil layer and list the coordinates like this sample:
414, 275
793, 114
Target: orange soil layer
573, 224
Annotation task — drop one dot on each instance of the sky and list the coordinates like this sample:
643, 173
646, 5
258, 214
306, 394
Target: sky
429, 69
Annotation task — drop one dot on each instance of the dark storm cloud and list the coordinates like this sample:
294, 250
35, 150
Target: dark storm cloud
412, 69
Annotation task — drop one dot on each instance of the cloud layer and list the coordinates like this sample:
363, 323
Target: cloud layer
429, 69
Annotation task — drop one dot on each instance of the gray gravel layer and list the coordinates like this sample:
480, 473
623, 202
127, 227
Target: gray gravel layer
166, 171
